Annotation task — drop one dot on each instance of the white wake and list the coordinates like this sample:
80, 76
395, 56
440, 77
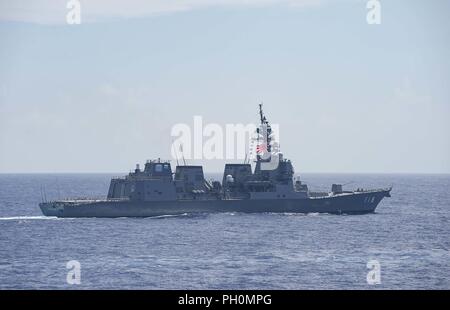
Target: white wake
19, 218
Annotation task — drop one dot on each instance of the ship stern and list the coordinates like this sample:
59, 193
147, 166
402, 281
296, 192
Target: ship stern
51, 208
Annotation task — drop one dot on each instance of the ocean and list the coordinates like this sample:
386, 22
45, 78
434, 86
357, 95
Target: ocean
408, 237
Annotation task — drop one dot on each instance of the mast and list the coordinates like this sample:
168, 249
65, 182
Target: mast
261, 113
264, 137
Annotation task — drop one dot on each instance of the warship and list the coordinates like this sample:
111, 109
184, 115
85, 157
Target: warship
271, 187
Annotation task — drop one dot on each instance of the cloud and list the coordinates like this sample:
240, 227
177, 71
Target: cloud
55, 11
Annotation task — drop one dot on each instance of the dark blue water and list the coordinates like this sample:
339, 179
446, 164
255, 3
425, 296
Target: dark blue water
408, 235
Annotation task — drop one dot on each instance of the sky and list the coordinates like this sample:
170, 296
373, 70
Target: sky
103, 95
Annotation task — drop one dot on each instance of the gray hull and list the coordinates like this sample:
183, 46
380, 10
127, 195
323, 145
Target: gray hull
353, 203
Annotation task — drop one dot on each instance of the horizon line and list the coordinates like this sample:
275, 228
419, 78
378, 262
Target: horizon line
221, 172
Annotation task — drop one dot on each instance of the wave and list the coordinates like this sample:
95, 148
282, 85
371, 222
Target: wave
168, 215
